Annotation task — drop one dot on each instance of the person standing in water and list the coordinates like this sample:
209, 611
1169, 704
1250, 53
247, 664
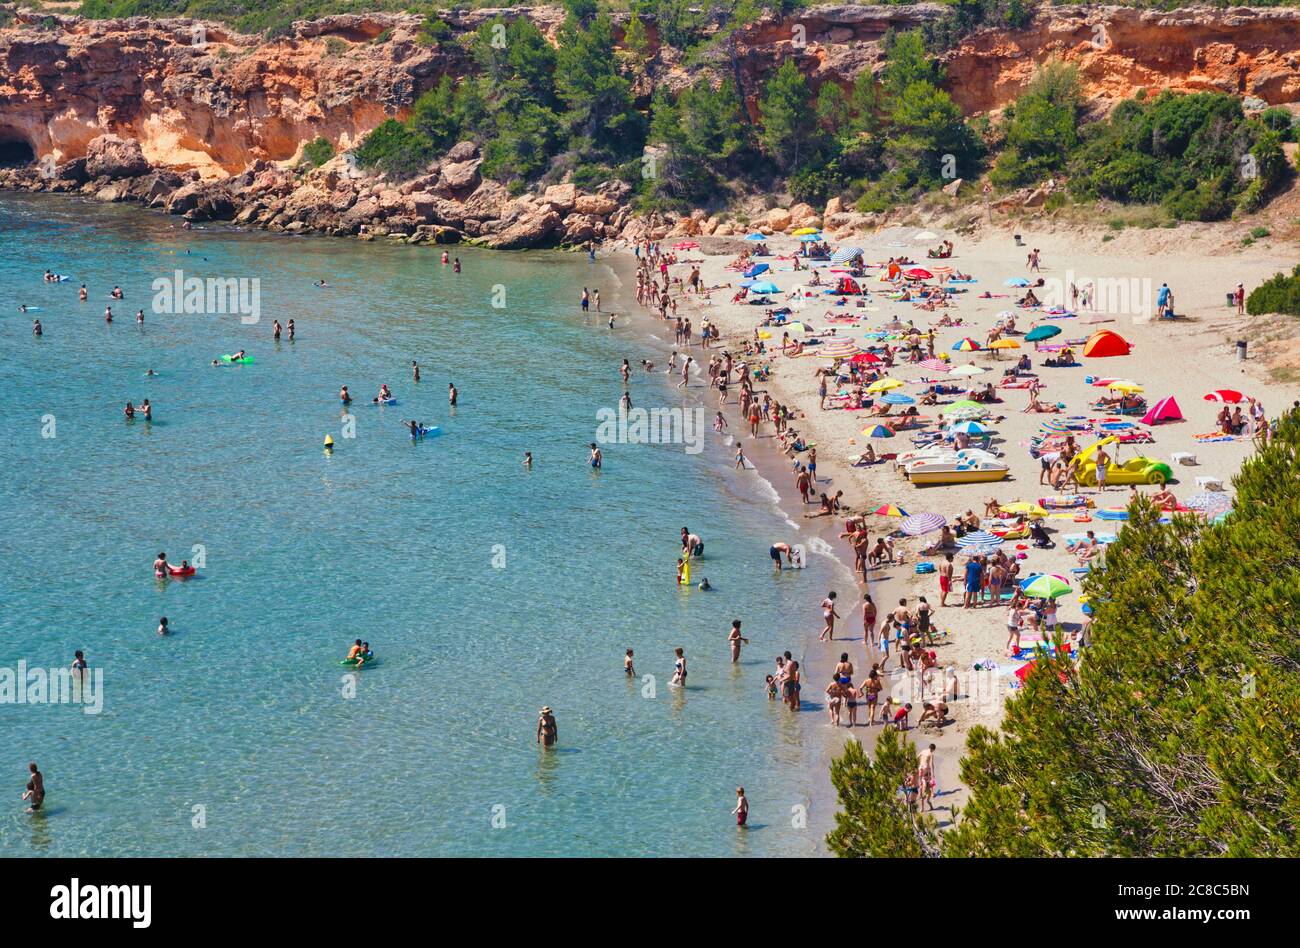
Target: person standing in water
275, 329
734, 638
596, 459
627, 665
741, 811
548, 732
35, 788
291, 330
528, 460
415, 370
452, 394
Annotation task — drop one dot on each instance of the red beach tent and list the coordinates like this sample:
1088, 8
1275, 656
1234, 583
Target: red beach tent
1106, 342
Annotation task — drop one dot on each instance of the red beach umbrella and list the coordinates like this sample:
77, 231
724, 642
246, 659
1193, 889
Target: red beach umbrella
1225, 395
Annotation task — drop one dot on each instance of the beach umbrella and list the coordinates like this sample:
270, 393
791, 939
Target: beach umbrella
919, 273
805, 230
966, 345
964, 404
1016, 281
1045, 587
845, 254
897, 398
926, 235
988, 550
878, 431
969, 427
1004, 344
883, 385
793, 328
1210, 500
1039, 333
917, 524
1124, 385
755, 236
1057, 425
935, 365
979, 538
866, 358
766, 286
810, 238
890, 510
1225, 395
756, 269
686, 245
965, 370
1028, 508
941, 271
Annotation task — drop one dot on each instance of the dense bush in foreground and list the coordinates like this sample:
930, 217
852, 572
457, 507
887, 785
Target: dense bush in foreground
1176, 734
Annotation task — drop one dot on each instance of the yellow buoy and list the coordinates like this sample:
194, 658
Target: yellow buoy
329, 441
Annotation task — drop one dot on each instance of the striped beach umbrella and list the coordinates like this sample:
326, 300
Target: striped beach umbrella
979, 538
969, 427
987, 550
966, 345
967, 370
845, 254
935, 365
917, 524
1055, 425
878, 431
890, 510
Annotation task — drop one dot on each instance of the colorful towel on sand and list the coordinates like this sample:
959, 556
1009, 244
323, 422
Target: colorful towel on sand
1015, 383
1064, 502
1214, 436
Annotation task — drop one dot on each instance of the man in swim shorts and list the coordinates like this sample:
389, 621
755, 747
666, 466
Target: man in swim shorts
776, 550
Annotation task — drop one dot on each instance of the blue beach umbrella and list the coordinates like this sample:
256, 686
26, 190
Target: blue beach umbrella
755, 236
810, 238
766, 286
1016, 281
758, 268
1039, 333
969, 427
895, 398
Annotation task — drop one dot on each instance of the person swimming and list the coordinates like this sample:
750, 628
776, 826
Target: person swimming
36, 328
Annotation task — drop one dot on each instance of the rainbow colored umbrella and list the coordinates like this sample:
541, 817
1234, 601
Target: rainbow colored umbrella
890, 510
966, 345
879, 431
1045, 586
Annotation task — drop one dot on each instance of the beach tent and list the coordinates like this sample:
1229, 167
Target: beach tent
1106, 342
755, 236
1164, 410
847, 285
756, 269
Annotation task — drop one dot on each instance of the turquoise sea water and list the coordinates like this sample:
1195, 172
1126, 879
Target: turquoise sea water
242, 710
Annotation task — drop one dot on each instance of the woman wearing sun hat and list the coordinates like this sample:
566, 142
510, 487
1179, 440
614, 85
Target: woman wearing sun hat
548, 732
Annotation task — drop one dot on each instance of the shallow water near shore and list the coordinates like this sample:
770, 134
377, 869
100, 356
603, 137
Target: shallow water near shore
486, 591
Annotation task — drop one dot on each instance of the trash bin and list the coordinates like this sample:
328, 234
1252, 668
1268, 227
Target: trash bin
1232, 299
1241, 350
1018, 243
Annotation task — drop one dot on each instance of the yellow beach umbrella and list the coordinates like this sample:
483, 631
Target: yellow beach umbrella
1004, 344
883, 385
805, 230
1123, 385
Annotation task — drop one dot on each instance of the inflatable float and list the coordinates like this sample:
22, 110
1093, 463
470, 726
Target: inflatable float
231, 360
181, 571
369, 660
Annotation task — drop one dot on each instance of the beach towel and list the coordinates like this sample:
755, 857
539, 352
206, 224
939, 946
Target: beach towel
1214, 436
1064, 502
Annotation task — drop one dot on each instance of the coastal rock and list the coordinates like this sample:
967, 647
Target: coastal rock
802, 215
460, 176
579, 228
952, 188
600, 205
562, 197
834, 206
531, 229
462, 151
109, 156
778, 218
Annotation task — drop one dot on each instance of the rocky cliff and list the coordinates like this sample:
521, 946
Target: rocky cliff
197, 120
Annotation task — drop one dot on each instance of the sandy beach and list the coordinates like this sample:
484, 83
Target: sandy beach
1187, 358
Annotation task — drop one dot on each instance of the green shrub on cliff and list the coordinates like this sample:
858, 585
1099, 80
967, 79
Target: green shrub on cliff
317, 151
1197, 154
1042, 127
396, 150
1281, 294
